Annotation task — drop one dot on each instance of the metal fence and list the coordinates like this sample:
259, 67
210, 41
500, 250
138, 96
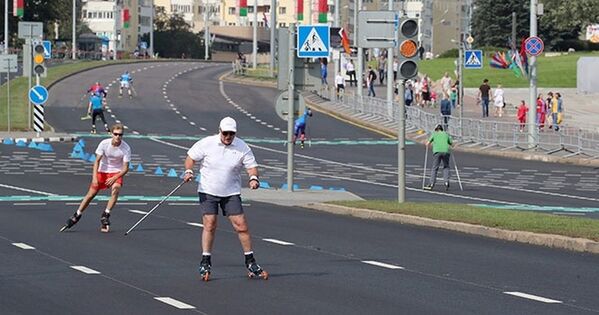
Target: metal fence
569, 140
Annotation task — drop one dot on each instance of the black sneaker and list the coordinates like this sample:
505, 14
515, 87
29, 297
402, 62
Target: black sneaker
71, 221
105, 222
428, 187
255, 271
446, 186
205, 269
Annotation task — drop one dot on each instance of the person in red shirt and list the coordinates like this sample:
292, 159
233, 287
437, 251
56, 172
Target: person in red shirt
541, 112
522, 110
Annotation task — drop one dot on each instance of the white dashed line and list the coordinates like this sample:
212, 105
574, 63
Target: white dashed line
86, 270
380, 264
203, 129
27, 190
192, 123
137, 211
23, 246
195, 224
134, 132
117, 121
29, 204
533, 297
175, 303
272, 240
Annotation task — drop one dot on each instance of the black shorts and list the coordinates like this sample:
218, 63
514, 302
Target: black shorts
230, 205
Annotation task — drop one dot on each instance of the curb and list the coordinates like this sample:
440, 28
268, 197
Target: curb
548, 240
41, 139
227, 77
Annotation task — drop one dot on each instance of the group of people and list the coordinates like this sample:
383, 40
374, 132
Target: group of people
220, 159
551, 108
97, 99
486, 95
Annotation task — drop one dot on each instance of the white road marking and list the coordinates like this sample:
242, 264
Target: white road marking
195, 224
133, 203
86, 270
23, 246
28, 190
533, 297
380, 264
175, 303
183, 203
137, 211
272, 240
78, 203
192, 123
29, 204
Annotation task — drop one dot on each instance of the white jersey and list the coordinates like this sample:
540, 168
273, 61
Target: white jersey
339, 80
221, 165
113, 157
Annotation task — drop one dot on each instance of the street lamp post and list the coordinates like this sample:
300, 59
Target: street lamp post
74, 30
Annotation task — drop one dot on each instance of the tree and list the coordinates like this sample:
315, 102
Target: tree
173, 37
492, 21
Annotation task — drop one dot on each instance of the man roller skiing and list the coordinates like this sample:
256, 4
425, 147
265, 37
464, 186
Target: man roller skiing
112, 163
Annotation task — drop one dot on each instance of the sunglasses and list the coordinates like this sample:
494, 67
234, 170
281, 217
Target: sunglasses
228, 133
117, 134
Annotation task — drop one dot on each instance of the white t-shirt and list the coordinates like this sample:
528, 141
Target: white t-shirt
350, 67
113, 157
339, 80
221, 165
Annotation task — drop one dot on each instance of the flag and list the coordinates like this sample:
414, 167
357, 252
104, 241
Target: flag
265, 19
344, 41
18, 8
323, 9
126, 18
300, 10
243, 8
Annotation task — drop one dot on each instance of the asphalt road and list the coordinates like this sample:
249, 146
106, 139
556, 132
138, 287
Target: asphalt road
319, 263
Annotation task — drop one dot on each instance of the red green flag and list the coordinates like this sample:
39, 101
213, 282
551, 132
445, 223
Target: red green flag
323, 9
18, 8
300, 10
243, 7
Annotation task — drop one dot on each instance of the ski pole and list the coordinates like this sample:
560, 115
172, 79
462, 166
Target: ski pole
425, 160
156, 206
457, 173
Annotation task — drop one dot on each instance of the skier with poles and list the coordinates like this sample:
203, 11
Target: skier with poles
442, 143
300, 127
221, 157
112, 163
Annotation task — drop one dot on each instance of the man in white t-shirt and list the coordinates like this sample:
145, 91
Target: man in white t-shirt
222, 158
112, 163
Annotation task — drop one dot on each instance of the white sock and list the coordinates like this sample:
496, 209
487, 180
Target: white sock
248, 253
206, 254
107, 211
79, 212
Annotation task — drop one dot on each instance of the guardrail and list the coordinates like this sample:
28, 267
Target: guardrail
569, 140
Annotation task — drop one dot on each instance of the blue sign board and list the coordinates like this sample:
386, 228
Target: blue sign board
534, 46
38, 95
473, 59
313, 41
47, 49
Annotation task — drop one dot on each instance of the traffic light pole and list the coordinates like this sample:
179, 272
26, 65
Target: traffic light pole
401, 145
360, 65
30, 57
290, 109
533, 132
390, 80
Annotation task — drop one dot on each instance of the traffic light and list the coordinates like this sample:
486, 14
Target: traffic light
39, 67
408, 48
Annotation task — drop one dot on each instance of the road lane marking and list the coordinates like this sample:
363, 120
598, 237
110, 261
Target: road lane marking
380, 264
23, 246
86, 270
133, 203
30, 204
28, 190
195, 224
533, 297
175, 303
183, 204
272, 240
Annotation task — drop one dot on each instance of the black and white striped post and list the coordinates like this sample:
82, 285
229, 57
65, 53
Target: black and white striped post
38, 118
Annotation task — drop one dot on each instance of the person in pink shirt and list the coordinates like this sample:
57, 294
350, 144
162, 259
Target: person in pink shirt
522, 110
541, 111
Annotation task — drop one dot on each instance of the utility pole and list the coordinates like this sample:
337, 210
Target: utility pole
513, 30
337, 62
255, 41
152, 31
390, 73
291, 107
533, 132
74, 30
273, 28
360, 65
206, 31
6, 27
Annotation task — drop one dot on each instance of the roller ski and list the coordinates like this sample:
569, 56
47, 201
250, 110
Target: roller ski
205, 269
70, 222
255, 271
105, 222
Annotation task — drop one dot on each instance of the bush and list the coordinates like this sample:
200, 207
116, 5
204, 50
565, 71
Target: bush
452, 53
577, 44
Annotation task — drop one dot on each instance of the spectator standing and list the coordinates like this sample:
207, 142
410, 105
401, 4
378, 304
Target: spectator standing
540, 112
446, 83
483, 96
395, 68
522, 110
339, 83
370, 82
382, 68
323, 71
445, 110
408, 94
351, 72
453, 96
498, 101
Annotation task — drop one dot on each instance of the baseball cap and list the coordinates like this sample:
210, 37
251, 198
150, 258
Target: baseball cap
228, 124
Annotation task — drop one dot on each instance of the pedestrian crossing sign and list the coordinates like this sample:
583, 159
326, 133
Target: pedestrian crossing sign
313, 41
473, 59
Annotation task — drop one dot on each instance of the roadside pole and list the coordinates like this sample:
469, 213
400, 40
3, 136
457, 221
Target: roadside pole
390, 73
255, 33
401, 145
461, 85
533, 132
290, 109
29, 53
74, 34
360, 65
206, 34
273, 28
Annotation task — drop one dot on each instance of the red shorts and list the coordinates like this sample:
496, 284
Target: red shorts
103, 177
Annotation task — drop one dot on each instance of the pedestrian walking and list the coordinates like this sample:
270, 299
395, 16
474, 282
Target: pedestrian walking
541, 110
522, 110
555, 110
484, 91
453, 96
498, 101
339, 84
370, 79
112, 163
446, 83
351, 72
445, 111
442, 143
221, 158
323, 71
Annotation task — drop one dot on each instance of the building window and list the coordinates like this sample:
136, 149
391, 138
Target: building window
282, 10
250, 9
232, 10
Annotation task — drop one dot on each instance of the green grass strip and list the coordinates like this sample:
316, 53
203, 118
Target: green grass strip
496, 218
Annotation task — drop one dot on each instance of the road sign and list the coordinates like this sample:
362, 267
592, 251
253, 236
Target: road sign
473, 59
31, 30
38, 118
534, 46
377, 29
38, 95
47, 49
313, 41
282, 105
8, 63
